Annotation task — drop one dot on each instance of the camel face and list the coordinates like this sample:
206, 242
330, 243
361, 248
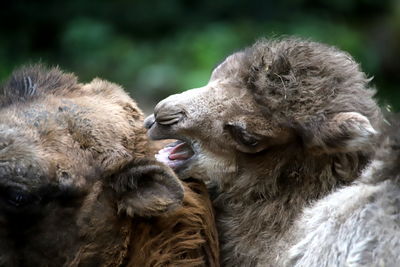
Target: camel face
218, 122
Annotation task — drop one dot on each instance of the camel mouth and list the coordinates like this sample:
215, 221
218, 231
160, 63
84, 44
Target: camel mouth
176, 154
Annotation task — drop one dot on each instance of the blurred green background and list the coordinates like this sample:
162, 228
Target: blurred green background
156, 48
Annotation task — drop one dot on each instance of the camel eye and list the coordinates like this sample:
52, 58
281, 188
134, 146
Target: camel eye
16, 197
240, 135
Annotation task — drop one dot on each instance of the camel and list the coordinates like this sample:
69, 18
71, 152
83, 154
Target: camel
279, 125
79, 185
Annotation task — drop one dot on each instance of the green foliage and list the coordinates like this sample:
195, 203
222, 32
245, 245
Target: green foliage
156, 48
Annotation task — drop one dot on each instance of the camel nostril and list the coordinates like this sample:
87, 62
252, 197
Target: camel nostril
169, 111
169, 119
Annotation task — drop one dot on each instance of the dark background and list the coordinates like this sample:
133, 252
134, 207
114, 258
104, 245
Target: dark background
155, 48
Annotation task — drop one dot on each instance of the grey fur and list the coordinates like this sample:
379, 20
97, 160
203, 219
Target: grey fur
358, 225
279, 125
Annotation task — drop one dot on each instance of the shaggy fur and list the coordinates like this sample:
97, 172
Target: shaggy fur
78, 186
178, 239
279, 125
357, 225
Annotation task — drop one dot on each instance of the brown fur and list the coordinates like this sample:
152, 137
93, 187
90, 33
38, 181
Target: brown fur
279, 125
156, 238
79, 187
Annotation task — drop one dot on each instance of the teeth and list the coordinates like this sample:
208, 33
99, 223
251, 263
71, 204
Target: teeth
166, 149
162, 157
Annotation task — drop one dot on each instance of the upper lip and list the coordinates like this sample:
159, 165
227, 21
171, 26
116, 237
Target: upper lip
161, 130
149, 121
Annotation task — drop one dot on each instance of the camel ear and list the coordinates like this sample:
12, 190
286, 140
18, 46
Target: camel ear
344, 132
147, 188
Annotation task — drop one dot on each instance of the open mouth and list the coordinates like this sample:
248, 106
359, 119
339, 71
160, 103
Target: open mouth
175, 154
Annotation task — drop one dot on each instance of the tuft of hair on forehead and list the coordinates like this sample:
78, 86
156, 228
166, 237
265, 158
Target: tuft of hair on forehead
317, 90
32, 81
297, 79
292, 68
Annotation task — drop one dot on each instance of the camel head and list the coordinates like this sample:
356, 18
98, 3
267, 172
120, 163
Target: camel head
58, 137
267, 110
